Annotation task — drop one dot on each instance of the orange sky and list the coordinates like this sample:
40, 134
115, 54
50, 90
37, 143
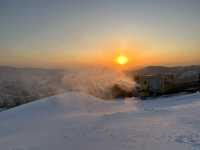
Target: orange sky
64, 34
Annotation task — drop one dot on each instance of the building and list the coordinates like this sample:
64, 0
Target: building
153, 85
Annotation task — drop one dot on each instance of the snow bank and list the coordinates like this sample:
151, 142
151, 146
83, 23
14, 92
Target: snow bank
78, 121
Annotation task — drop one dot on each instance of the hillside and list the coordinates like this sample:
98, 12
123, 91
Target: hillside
81, 122
157, 70
22, 85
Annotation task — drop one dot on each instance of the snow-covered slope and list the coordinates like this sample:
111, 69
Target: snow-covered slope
76, 121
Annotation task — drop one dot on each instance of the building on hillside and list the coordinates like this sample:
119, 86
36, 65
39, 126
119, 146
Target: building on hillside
152, 85
155, 84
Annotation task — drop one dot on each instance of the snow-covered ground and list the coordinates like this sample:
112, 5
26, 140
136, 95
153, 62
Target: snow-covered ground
76, 121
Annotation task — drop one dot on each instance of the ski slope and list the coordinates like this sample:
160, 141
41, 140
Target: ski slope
76, 121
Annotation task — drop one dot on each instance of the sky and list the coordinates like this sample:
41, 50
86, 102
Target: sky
62, 33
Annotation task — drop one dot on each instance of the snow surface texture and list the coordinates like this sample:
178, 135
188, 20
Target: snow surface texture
75, 121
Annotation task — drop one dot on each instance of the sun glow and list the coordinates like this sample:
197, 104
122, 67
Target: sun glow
122, 60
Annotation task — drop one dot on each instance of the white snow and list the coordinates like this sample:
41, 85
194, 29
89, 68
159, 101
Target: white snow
75, 121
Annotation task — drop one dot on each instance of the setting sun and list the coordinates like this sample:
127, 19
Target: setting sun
122, 59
